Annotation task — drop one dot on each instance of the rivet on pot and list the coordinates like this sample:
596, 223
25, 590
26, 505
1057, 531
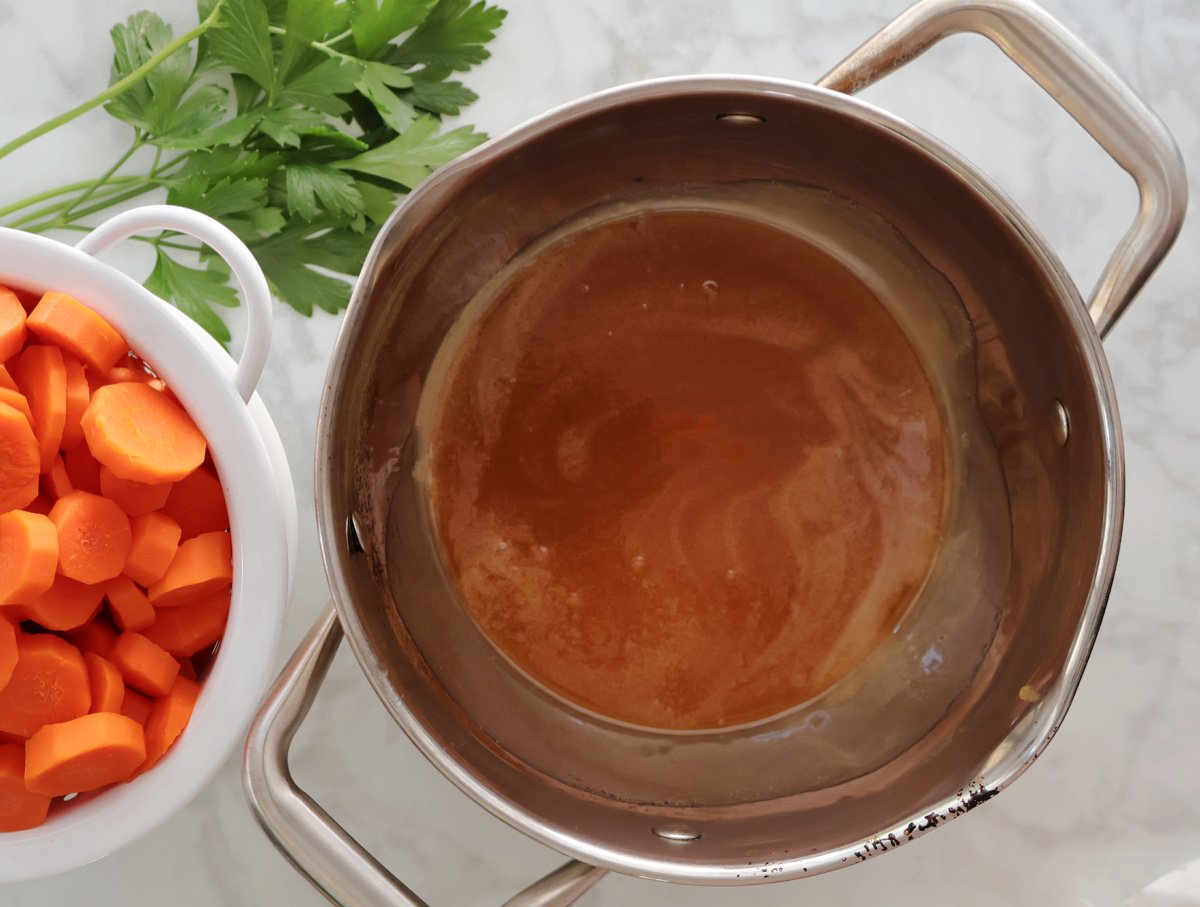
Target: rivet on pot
740, 119
1062, 423
677, 832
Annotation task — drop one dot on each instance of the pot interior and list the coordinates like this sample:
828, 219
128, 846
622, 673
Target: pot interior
968, 686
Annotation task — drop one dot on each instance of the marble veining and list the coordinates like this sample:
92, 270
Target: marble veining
1112, 804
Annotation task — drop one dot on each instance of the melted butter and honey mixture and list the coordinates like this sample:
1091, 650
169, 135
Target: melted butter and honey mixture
686, 470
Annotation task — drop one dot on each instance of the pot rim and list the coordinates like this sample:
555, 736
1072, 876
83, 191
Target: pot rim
1048, 714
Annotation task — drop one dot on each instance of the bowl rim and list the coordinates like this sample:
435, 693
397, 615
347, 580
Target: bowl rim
200, 375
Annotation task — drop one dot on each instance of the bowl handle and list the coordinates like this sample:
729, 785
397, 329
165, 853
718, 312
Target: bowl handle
223, 241
1085, 87
307, 835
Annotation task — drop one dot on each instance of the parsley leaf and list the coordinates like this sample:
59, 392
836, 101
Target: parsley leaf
375, 22
157, 106
376, 85
194, 291
297, 123
452, 35
412, 155
311, 187
244, 41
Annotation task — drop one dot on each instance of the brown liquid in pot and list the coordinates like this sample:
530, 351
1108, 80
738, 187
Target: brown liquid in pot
686, 470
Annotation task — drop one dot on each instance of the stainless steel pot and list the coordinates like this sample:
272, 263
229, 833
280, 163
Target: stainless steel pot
796, 796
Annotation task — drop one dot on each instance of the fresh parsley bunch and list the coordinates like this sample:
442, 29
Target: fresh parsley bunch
294, 122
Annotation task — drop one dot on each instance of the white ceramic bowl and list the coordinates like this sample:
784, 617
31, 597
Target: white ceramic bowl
262, 509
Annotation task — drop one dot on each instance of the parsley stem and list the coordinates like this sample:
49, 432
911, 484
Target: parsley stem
54, 193
152, 240
117, 88
106, 201
116, 186
102, 179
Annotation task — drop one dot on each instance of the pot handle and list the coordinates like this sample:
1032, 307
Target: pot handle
1085, 87
309, 837
226, 244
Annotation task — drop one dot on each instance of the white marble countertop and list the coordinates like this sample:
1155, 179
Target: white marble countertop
1114, 802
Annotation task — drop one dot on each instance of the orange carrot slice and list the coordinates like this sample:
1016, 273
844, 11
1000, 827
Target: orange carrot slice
12, 324
41, 376
66, 322
28, 544
155, 539
83, 754
201, 567
185, 630
136, 706
82, 469
57, 482
197, 504
129, 606
8, 651
48, 685
96, 637
20, 808
78, 395
145, 666
6, 379
93, 537
141, 435
20, 457
168, 717
187, 670
17, 401
135, 498
108, 687
66, 605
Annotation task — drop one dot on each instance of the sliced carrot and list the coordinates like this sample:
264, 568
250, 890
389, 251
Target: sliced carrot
201, 567
78, 395
140, 435
6, 379
155, 539
93, 537
187, 670
83, 754
168, 717
145, 666
17, 401
82, 469
108, 687
57, 482
28, 545
8, 651
20, 808
49, 685
185, 630
12, 324
67, 604
20, 458
41, 376
135, 498
136, 706
66, 322
197, 504
96, 637
128, 605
